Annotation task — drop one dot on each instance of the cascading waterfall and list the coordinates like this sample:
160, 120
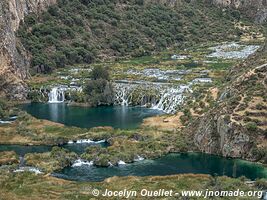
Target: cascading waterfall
159, 96
171, 98
122, 94
57, 95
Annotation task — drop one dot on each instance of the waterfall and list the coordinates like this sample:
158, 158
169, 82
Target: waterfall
21, 161
56, 95
170, 99
159, 96
123, 93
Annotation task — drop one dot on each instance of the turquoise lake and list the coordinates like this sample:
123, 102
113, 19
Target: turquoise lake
116, 116
196, 163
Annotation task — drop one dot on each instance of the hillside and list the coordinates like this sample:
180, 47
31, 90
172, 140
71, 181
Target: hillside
236, 126
81, 32
256, 10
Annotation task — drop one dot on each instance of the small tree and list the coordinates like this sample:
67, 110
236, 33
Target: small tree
99, 90
100, 73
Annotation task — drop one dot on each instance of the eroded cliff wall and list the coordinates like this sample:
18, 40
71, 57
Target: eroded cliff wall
14, 61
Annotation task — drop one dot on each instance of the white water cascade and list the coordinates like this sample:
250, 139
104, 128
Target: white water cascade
159, 96
171, 98
57, 95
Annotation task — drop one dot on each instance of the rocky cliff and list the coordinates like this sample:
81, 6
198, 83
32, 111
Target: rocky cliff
236, 126
14, 61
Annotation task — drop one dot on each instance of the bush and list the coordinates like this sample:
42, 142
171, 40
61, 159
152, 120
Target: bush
100, 73
251, 126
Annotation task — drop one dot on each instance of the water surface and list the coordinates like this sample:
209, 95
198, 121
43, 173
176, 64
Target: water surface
116, 116
196, 163
21, 150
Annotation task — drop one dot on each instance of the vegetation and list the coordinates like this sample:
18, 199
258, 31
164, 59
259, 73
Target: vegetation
80, 31
30, 186
99, 90
57, 159
3, 108
28, 130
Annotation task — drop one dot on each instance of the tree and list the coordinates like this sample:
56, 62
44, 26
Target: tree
99, 90
100, 73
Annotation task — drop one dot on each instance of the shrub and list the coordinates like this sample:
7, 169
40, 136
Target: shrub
100, 73
251, 126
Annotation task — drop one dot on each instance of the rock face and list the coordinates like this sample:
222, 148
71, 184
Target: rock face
236, 126
14, 61
257, 9
217, 135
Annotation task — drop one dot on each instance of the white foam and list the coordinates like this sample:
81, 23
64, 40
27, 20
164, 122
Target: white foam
100, 141
178, 57
28, 169
202, 80
110, 164
139, 158
5, 122
88, 141
120, 162
79, 163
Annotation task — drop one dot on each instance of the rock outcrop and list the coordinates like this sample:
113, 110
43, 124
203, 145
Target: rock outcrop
14, 61
236, 126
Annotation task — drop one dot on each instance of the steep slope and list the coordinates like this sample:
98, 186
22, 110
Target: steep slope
78, 32
13, 58
237, 125
256, 9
